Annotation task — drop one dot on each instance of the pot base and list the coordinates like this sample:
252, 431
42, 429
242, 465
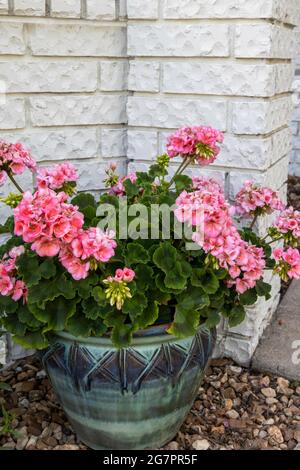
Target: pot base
129, 399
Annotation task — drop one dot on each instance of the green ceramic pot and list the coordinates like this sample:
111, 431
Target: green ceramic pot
133, 398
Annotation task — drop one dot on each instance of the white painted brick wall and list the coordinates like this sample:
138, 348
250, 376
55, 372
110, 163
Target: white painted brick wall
103, 80
101, 9
30, 7
66, 8
3, 7
295, 155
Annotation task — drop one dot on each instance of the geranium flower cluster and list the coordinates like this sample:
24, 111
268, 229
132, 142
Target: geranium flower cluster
86, 249
288, 263
9, 284
14, 159
55, 228
288, 224
208, 210
199, 143
253, 200
117, 290
56, 177
118, 188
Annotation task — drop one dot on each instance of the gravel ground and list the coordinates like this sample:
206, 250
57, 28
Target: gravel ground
235, 409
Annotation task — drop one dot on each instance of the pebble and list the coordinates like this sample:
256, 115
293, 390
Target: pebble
268, 392
235, 369
235, 409
201, 444
275, 433
232, 414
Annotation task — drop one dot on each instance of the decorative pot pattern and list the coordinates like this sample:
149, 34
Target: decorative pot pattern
133, 398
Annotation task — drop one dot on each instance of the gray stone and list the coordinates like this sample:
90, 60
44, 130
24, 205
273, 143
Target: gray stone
279, 350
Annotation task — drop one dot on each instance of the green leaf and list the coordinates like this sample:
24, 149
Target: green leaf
121, 334
237, 316
7, 305
166, 258
84, 200
58, 312
205, 279
136, 254
48, 290
8, 226
89, 213
249, 297
13, 325
157, 171
32, 340
185, 323
99, 295
263, 289
135, 306
29, 269
183, 182
84, 286
193, 299
26, 317
221, 273
48, 268
213, 319
149, 316
143, 276
91, 309
160, 284
79, 326
131, 189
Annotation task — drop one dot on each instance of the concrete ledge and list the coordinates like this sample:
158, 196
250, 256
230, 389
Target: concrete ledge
279, 349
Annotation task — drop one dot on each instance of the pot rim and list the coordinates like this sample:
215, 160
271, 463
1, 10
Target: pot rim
161, 337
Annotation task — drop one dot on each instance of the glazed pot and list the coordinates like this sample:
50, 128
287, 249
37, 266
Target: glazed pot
133, 398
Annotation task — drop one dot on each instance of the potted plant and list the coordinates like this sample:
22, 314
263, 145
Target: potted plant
123, 294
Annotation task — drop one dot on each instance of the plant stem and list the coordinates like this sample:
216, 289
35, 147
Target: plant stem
12, 179
253, 222
180, 169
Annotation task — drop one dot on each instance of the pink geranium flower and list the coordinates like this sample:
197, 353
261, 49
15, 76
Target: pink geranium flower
253, 200
198, 143
57, 176
14, 159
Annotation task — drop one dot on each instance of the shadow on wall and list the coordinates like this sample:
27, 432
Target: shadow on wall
295, 156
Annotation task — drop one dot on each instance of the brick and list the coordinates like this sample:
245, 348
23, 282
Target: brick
254, 153
144, 76
66, 8
11, 39
113, 75
77, 110
142, 144
91, 174
167, 113
12, 114
3, 7
58, 144
287, 11
77, 40
32, 8
264, 40
114, 143
3, 351
142, 10
36, 77
187, 40
260, 117
101, 10
224, 79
